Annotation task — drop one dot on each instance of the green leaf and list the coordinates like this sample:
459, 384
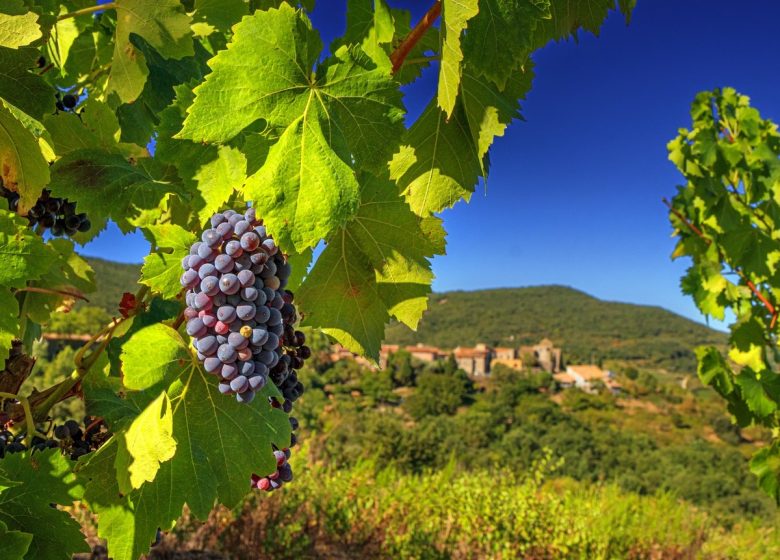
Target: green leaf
569, 16
347, 113
106, 185
374, 268
68, 272
747, 344
501, 36
369, 24
221, 14
18, 27
455, 15
765, 464
13, 544
44, 478
145, 444
713, 370
22, 164
219, 178
9, 321
22, 88
220, 443
152, 356
24, 255
304, 190
162, 269
760, 391
161, 23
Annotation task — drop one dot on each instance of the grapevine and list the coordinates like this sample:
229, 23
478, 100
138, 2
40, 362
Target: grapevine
158, 117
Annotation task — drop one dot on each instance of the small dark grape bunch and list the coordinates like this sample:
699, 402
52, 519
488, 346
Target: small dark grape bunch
76, 442
56, 214
66, 102
238, 310
276, 479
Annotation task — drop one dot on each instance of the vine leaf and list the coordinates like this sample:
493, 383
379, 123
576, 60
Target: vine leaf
9, 321
569, 16
376, 267
348, 113
68, 272
22, 88
161, 23
13, 544
442, 159
765, 464
220, 14
22, 164
106, 185
220, 443
455, 15
44, 478
145, 444
371, 25
162, 269
24, 255
18, 27
501, 36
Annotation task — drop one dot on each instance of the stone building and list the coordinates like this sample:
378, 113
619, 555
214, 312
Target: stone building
547, 356
474, 361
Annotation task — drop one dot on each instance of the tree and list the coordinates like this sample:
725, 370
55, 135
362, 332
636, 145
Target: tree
725, 217
164, 117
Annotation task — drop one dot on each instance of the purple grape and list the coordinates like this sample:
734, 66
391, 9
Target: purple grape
225, 230
226, 314
241, 228
189, 278
250, 215
205, 252
210, 286
229, 371
263, 313
237, 340
269, 246
208, 345
201, 302
249, 294
206, 269
226, 353
212, 364
257, 382
259, 258
217, 219
210, 237
224, 263
276, 317
247, 368
194, 326
246, 278
225, 389
229, 284
233, 219
246, 312
249, 241
246, 397
239, 384
233, 249
195, 247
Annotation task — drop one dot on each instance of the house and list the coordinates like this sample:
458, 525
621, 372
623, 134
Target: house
425, 353
385, 352
474, 361
585, 377
546, 355
564, 379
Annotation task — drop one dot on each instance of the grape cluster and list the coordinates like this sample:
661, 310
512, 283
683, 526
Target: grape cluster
69, 437
282, 474
57, 214
238, 311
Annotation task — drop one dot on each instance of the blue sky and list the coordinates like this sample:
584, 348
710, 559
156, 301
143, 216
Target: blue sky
574, 194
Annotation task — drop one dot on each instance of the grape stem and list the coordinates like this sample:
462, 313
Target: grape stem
402, 50
27, 415
753, 288
76, 295
89, 10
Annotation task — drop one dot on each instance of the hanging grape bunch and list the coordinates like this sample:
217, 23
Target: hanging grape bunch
70, 438
56, 214
238, 311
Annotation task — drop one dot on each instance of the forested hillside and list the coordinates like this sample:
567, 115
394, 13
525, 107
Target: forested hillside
112, 279
585, 327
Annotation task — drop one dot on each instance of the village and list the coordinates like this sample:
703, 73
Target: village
479, 360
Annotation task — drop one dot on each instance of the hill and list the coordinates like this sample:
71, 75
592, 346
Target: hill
113, 279
584, 326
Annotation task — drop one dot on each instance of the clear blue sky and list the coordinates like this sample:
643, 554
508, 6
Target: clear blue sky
574, 194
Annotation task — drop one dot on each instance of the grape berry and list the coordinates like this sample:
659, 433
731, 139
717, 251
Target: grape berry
72, 440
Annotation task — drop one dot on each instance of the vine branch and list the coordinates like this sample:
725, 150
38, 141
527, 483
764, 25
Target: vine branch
405, 47
53, 292
750, 284
89, 10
